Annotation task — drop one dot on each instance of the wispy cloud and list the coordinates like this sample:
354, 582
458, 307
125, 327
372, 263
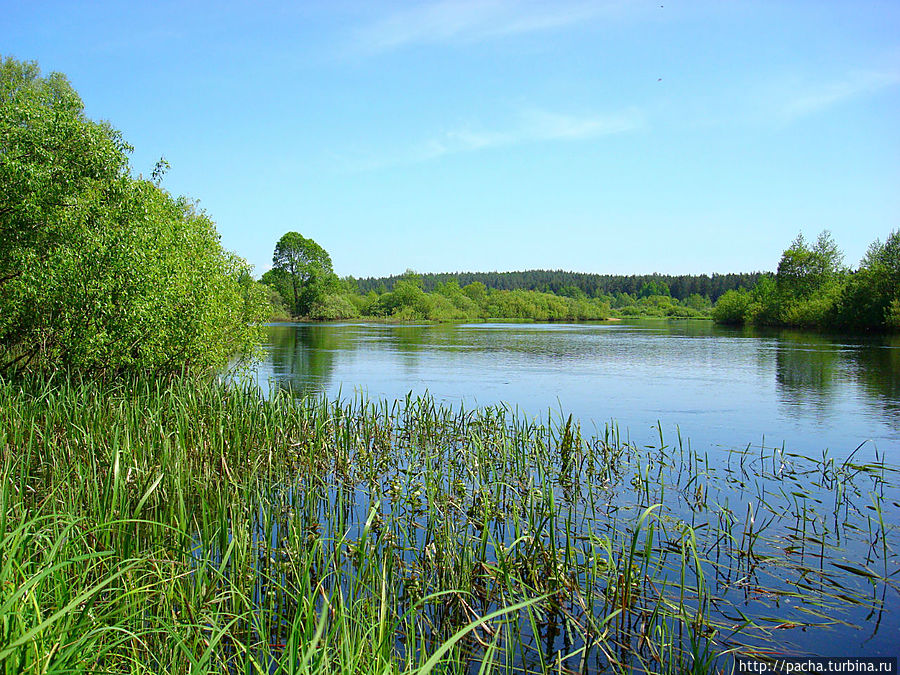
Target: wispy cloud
813, 99
529, 126
473, 20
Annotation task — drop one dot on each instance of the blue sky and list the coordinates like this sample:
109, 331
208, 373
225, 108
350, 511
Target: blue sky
609, 137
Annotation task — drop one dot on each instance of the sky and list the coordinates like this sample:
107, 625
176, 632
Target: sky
475, 135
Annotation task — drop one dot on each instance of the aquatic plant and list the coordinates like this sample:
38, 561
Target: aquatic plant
183, 525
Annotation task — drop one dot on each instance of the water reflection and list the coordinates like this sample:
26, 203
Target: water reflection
302, 357
719, 385
877, 369
806, 372
818, 370
408, 341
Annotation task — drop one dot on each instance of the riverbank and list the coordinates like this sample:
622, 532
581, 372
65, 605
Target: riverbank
676, 314
181, 525
407, 300
391, 321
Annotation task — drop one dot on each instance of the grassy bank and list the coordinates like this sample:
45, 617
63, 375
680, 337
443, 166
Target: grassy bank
183, 526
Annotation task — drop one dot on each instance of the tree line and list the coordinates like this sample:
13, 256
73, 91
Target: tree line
560, 282
302, 283
812, 288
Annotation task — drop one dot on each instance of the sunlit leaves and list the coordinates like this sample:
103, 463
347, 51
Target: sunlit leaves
99, 270
303, 272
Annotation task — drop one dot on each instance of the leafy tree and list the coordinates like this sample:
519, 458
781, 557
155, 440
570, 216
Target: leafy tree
306, 269
892, 315
407, 295
812, 288
414, 278
99, 270
464, 307
804, 270
280, 310
871, 293
653, 287
280, 284
332, 307
882, 264
476, 291
697, 301
765, 303
807, 285
732, 307
572, 292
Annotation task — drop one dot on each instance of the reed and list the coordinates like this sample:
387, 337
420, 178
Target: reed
186, 525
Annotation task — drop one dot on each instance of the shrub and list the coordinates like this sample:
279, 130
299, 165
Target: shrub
732, 306
100, 270
333, 307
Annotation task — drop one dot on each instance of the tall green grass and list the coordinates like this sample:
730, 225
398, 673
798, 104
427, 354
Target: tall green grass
182, 525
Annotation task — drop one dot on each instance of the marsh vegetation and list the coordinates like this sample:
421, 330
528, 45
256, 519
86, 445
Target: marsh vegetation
181, 525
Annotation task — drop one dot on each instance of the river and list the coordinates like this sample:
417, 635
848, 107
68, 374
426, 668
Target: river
780, 448
720, 387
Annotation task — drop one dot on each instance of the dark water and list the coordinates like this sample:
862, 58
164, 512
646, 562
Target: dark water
722, 387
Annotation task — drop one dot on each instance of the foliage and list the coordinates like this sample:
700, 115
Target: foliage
892, 315
653, 287
763, 306
408, 301
462, 303
51, 156
476, 291
331, 307
99, 270
280, 310
869, 294
697, 302
812, 288
428, 297
305, 272
448, 302
279, 284
572, 292
804, 271
591, 285
660, 306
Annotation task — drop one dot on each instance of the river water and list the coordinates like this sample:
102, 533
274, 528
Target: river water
719, 386
792, 435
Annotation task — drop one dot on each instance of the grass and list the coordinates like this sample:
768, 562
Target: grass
182, 525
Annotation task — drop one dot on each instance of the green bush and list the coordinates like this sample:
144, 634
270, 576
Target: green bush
99, 270
732, 306
333, 307
892, 316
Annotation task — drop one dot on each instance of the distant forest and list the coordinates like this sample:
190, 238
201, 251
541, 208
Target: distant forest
592, 285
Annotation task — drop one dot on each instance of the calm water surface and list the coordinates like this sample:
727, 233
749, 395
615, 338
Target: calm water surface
721, 387
831, 528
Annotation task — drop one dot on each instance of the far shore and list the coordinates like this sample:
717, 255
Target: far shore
400, 322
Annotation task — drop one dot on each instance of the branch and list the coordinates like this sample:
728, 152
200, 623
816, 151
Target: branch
9, 364
10, 277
